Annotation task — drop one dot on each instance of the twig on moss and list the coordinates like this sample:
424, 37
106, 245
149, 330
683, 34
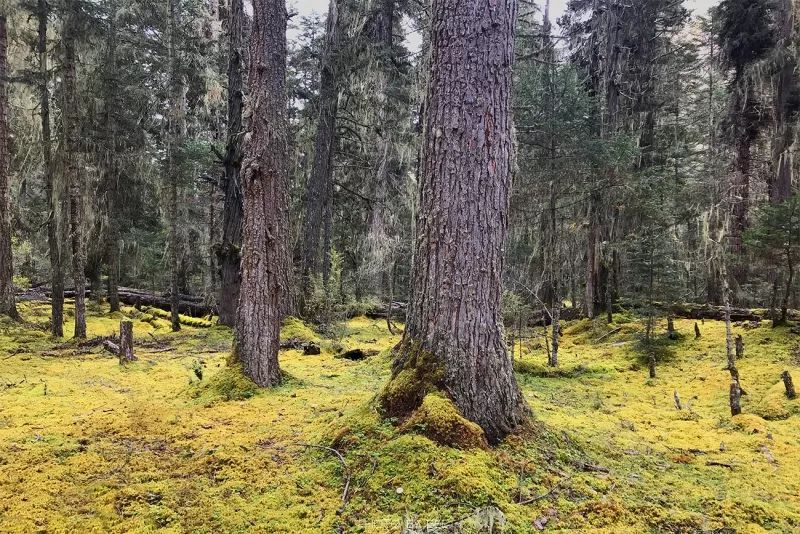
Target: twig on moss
346, 470
612, 332
547, 494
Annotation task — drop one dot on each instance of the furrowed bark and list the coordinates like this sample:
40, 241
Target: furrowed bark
453, 341
265, 253
7, 301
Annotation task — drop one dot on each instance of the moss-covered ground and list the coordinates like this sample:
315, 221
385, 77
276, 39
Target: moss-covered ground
177, 442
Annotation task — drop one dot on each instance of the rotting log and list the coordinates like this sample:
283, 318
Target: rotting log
190, 305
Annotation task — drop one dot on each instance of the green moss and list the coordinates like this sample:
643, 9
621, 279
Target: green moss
418, 375
294, 328
775, 405
230, 384
195, 322
131, 450
439, 420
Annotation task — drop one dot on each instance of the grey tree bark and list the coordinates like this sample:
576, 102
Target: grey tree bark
319, 192
7, 302
111, 165
72, 173
453, 339
265, 255
126, 354
58, 216
228, 251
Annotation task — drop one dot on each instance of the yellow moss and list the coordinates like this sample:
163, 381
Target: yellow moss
294, 328
196, 322
88, 446
774, 404
418, 376
439, 420
230, 384
752, 424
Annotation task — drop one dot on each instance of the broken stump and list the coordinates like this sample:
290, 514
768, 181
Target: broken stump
126, 342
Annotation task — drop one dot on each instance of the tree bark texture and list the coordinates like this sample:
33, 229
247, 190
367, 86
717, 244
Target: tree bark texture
454, 323
7, 301
319, 192
265, 255
126, 342
58, 216
72, 172
788, 384
228, 251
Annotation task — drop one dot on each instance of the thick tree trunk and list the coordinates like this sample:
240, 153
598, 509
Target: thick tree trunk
319, 192
453, 341
265, 253
58, 215
228, 251
73, 175
7, 302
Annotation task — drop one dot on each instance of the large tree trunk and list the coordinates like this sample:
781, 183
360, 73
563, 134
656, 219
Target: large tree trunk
228, 252
319, 192
453, 340
265, 253
7, 302
73, 175
58, 215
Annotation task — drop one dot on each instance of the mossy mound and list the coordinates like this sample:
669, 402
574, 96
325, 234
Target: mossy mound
749, 423
230, 384
419, 375
195, 322
294, 328
439, 420
775, 405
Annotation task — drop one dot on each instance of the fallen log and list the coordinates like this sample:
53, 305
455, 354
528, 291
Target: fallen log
190, 305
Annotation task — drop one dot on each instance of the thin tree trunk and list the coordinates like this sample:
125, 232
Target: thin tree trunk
74, 177
453, 339
787, 292
173, 170
319, 192
786, 84
735, 394
58, 215
7, 302
228, 252
265, 185
111, 170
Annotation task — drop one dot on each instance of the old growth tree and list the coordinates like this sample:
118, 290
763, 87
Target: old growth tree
453, 339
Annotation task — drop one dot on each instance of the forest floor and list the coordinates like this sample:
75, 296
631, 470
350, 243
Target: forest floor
176, 441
